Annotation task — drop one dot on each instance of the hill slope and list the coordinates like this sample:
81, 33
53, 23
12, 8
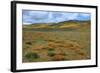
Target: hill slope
66, 24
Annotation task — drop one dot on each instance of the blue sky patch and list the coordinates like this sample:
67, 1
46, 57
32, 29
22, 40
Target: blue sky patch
31, 17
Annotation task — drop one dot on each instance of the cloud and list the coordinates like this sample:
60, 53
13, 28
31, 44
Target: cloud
50, 16
34, 16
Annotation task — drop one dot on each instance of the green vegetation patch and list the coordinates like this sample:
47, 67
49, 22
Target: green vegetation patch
51, 54
51, 49
29, 43
31, 56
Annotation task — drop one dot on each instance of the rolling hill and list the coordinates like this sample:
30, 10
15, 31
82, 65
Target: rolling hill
73, 24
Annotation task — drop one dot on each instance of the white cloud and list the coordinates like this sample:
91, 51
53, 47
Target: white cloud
47, 16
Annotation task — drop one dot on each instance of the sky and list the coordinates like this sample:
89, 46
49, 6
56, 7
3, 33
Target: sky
32, 17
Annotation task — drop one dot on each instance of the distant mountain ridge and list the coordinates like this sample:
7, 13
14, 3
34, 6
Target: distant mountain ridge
64, 24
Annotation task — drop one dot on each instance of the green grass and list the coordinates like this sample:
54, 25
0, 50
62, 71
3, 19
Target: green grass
31, 56
51, 49
51, 54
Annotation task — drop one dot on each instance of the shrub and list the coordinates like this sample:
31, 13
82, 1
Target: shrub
29, 43
51, 49
31, 56
51, 54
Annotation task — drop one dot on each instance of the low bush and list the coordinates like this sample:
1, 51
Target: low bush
51, 49
31, 56
51, 54
29, 43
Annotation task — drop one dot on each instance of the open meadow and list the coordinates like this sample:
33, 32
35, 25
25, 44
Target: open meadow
56, 43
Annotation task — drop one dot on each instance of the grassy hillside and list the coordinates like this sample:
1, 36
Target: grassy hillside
65, 24
55, 44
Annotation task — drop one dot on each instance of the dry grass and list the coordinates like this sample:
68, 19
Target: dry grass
64, 45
